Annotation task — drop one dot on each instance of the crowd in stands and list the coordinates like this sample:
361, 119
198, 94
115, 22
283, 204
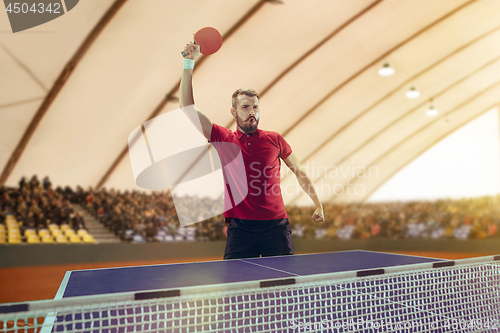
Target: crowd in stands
35, 206
473, 218
137, 216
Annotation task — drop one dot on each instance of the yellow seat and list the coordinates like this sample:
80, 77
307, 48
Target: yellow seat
61, 239
69, 232
2, 232
29, 232
14, 239
56, 232
82, 232
88, 239
12, 224
10, 218
47, 239
75, 239
2, 227
33, 239
65, 227
13, 229
14, 232
2, 240
53, 226
43, 232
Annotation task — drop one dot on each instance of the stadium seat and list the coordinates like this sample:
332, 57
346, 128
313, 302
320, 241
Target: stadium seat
33, 239
53, 226
10, 219
82, 232
47, 239
56, 232
65, 227
160, 235
75, 239
12, 231
69, 232
43, 232
12, 224
190, 234
61, 239
2, 227
2, 239
3, 232
15, 239
88, 239
138, 239
29, 232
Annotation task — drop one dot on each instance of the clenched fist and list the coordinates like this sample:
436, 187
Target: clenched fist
191, 51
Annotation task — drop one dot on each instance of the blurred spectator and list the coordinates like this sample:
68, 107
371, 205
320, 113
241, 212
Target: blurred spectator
132, 212
34, 182
46, 183
28, 222
150, 232
77, 222
22, 183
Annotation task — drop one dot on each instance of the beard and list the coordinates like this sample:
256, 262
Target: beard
246, 125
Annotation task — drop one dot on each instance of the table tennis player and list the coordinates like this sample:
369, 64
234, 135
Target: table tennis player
257, 226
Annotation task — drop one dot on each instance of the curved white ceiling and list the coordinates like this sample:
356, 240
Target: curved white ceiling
314, 63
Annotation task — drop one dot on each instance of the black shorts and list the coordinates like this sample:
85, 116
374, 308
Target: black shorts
255, 238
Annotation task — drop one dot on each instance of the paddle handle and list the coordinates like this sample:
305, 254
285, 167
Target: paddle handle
184, 53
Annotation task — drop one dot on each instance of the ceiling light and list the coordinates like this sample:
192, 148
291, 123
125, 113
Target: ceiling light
386, 70
412, 93
431, 111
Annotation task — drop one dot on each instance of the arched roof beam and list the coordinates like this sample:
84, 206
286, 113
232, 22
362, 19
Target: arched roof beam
397, 89
421, 129
394, 91
418, 154
170, 96
57, 87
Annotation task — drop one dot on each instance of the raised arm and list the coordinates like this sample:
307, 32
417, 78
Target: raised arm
186, 98
307, 185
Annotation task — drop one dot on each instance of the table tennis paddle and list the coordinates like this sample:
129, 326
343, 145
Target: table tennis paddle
209, 40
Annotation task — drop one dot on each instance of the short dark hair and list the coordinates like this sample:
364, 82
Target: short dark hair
242, 91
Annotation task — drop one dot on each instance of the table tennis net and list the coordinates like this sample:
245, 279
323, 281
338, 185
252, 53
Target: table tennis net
448, 296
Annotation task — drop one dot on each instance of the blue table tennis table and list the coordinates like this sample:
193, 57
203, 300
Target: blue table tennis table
323, 292
172, 276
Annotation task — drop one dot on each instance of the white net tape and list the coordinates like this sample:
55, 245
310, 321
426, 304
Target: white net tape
460, 298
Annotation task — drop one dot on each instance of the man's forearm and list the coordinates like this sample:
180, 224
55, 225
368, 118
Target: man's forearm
186, 98
308, 186
186, 88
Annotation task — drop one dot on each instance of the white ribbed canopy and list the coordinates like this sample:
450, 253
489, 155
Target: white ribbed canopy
315, 64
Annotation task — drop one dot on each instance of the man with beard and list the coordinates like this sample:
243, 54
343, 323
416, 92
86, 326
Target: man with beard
258, 225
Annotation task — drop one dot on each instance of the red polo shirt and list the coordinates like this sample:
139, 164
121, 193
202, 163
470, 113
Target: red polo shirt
261, 152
